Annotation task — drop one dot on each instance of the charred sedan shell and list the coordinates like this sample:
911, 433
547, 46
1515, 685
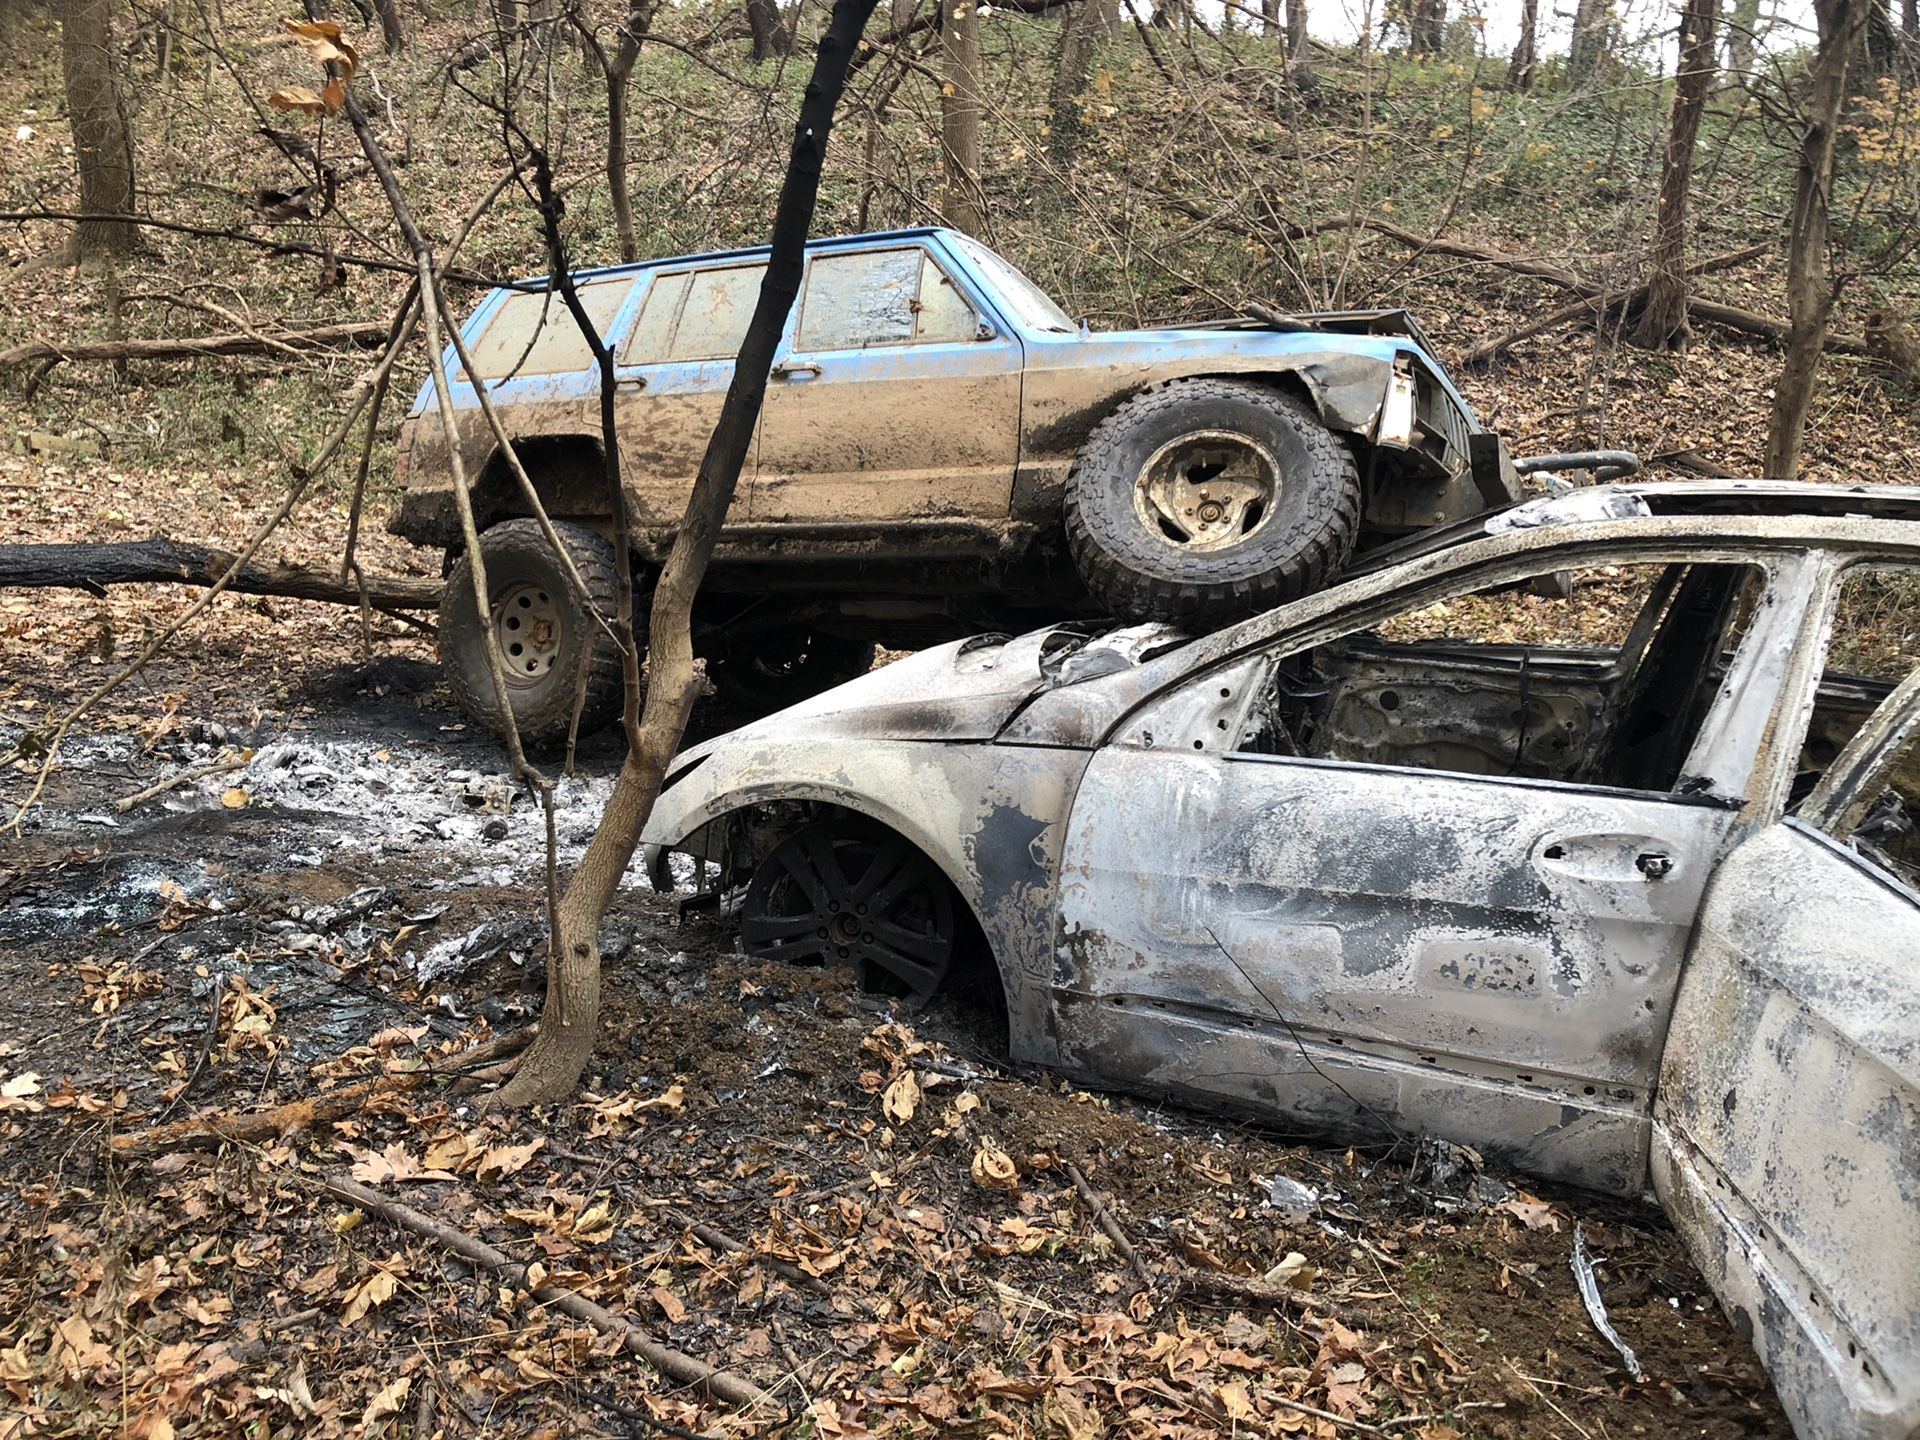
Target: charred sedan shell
1564, 906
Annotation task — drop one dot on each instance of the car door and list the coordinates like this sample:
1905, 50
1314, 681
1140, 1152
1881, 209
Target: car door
1339, 944
672, 376
896, 397
1787, 1127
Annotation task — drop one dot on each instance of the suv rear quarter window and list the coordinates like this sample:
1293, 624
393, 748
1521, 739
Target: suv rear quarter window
533, 333
694, 315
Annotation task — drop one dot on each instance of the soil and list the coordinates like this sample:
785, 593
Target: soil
363, 893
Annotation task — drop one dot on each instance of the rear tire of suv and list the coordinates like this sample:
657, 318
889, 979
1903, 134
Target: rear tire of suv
543, 632
773, 669
1206, 500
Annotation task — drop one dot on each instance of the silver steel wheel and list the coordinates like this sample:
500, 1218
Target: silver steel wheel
1207, 490
529, 626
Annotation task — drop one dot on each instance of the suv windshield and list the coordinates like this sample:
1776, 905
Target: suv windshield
1030, 305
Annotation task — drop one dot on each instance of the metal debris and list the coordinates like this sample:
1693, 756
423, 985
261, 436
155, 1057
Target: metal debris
1589, 1284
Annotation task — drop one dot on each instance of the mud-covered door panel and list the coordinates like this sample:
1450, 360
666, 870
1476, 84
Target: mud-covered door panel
898, 399
673, 373
1350, 945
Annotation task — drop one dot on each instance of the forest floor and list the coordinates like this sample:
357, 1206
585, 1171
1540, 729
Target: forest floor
347, 900
362, 896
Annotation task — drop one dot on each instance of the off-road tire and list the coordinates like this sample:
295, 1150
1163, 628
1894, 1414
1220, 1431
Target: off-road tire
517, 556
774, 669
1142, 575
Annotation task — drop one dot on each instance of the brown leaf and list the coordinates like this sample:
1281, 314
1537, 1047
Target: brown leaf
324, 44
385, 1404
376, 1289
1531, 1211
993, 1168
507, 1159
307, 102
670, 1304
902, 1099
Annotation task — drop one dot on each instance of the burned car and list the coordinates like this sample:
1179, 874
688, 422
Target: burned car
941, 450
1623, 896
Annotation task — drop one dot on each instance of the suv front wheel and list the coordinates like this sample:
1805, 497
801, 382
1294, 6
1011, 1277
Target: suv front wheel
1206, 500
546, 636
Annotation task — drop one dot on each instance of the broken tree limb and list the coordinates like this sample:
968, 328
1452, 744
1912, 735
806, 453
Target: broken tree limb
1103, 1217
162, 561
723, 1385
205, 1131
367, 335
179, 777
1248, 1290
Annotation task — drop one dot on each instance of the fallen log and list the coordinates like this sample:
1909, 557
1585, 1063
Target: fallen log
723, 1385
365, 335
161, 561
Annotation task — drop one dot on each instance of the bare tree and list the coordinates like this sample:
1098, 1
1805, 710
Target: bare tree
390, 27
771, 34
1663, 323
618, 70
1592, 36
960, 115
1810, 290
1520, 68
1072, 68
552, 1065
1269, 17
102, 148
1743, 25
1296, 29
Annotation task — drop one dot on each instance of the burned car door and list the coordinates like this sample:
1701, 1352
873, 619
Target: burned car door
897, 398
672, 375
1787, 1129
1272, 910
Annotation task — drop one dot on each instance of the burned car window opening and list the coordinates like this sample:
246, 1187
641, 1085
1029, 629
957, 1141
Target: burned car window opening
1622, 713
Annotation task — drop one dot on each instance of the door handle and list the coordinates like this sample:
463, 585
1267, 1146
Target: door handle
1654, 864
630, 382
788, 369
1607, 858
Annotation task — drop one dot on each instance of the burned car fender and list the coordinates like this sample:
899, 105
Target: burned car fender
991, 818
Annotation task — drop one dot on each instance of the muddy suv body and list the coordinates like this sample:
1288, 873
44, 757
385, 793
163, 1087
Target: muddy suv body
941, 450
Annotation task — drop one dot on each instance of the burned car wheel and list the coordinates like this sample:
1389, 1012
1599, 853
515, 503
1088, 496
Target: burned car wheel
1208, 500
773, 669
545, 636
844, 891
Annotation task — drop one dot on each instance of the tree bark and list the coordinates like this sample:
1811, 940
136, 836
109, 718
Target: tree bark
1296, 29
1809, 286
770, 33
1592, 20
551, 1068
1663, 323
161, 561
102, 149
1073, 66
960, 115
1525, 49
390, 27
633, 32
1269, 17
1743, 24
1910, 19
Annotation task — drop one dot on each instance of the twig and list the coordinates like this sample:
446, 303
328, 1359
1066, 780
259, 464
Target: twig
1258, 1292
1400, 1422
720, 1240
206, 1045
1104, 1219
160, 787
723, 1385
1342, 1421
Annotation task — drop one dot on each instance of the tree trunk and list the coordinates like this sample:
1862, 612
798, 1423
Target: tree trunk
1910, 19
633, 32
1663, 324
1743, 25
1592, 20
770, 33
1809, 286
1882, 38
1426, 26
550, 1070
102, 149
1296, 29
161, 561
1072, 67
960, 115
1520, 68
390, 29
902, 13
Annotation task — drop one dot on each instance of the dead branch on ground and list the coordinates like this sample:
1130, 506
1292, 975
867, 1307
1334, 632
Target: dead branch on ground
163, 561
363, 335
723, 1385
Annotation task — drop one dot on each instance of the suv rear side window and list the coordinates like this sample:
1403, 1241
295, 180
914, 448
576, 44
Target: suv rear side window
534, 334
881, 297
694, 315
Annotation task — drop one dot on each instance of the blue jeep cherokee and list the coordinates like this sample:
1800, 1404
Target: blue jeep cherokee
942, 450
